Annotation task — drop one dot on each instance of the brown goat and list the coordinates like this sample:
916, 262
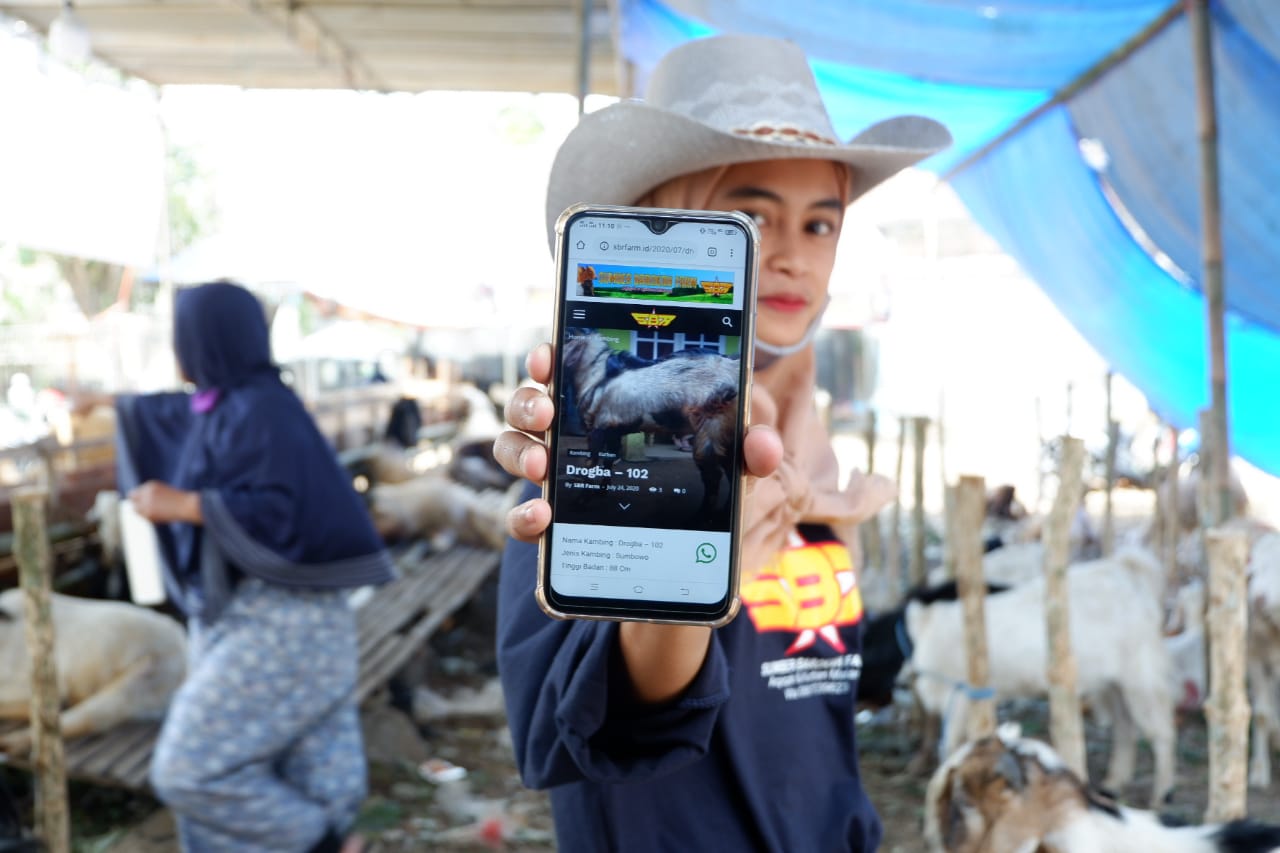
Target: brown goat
1007, 794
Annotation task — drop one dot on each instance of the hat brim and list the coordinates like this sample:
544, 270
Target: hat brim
617, 154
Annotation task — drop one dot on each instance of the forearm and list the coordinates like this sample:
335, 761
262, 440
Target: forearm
662, 660
188, 508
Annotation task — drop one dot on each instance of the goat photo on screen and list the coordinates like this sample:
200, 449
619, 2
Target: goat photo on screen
660, 431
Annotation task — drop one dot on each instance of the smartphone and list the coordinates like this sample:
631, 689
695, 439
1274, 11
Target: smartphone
653, 332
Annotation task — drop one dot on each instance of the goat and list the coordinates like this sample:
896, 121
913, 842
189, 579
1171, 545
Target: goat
1116, 638
688, 392
1007, 794
1263, 660
115, 662
434, 507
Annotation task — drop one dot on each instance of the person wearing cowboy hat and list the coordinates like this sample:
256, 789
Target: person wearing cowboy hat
662, 737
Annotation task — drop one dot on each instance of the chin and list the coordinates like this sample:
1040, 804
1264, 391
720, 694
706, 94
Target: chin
780, 337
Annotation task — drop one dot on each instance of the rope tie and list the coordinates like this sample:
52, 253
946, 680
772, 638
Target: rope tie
973, 694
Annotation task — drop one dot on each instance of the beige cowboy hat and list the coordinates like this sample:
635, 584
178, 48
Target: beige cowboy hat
718, 101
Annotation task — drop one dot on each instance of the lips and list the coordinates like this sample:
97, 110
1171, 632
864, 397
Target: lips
784, 302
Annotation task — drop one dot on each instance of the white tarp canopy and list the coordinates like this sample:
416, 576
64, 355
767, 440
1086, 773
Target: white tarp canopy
81, 162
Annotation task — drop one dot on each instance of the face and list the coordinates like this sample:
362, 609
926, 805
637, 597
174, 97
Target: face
797, 206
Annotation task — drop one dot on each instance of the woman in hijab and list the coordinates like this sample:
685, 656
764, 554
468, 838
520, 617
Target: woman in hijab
261, 534
661, 737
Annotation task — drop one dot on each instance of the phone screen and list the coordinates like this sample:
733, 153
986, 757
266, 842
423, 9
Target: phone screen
653, 354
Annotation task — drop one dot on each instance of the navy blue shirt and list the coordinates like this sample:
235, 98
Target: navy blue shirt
758, 754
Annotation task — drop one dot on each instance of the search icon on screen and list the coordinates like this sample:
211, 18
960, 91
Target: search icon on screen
726, 321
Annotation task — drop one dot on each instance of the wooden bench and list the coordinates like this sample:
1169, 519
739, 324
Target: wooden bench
393, 625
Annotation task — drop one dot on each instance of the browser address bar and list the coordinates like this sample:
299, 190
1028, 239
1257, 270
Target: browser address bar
645, 249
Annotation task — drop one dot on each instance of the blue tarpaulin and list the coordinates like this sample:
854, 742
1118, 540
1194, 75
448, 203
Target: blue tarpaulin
1086, 234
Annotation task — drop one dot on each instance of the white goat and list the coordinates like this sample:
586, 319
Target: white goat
1008, 794
115, 662
431, 506
1116, 638
1263, 660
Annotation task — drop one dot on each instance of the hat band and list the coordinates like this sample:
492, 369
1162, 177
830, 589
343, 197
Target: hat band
771, 132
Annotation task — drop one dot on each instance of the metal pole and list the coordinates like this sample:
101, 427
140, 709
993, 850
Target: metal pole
584, 53
1211, 249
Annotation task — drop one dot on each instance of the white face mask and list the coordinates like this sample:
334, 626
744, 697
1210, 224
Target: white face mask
772, 353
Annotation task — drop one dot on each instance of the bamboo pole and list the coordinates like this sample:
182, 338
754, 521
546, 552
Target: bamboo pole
872, 539
1172, 524
1113, 438
919, 428
971, 501
1211, 251
941, 435
1039, 459
35, 575
1227, 707
1071, 394
1207, 462
951, 530
1075, 87
1066, 730
893, 554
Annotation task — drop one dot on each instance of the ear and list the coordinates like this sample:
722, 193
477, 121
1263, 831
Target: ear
950, 813
1010, 770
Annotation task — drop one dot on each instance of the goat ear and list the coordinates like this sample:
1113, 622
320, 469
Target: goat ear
1010, 770
951, 816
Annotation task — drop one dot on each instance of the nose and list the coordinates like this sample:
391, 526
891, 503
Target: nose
783, 253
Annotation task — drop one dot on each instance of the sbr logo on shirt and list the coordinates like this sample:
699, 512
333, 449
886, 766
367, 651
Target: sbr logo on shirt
810, 590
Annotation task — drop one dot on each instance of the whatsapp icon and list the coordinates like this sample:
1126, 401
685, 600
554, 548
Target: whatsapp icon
706, 553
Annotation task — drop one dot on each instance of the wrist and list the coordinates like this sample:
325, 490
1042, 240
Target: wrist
189, 508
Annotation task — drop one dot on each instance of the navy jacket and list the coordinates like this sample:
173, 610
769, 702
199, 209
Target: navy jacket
757, 755
276, 503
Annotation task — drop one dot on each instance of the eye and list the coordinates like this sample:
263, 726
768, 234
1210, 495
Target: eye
822, 227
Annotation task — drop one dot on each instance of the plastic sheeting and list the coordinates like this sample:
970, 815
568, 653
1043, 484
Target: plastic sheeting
856, 96
1151, 328
1026, 44
980, 68
1156, 174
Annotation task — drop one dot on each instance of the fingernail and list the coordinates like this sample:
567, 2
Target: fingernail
528, 406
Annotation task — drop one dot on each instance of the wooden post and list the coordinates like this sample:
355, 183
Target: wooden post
1219, 475
35, 570
919, 428
1207, 462
1071, 393
941, 437
1227, 708
1039, 459
1066, 730
971, 503
893, 554
872, 541
1172, 523
1113, 438
951, 528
